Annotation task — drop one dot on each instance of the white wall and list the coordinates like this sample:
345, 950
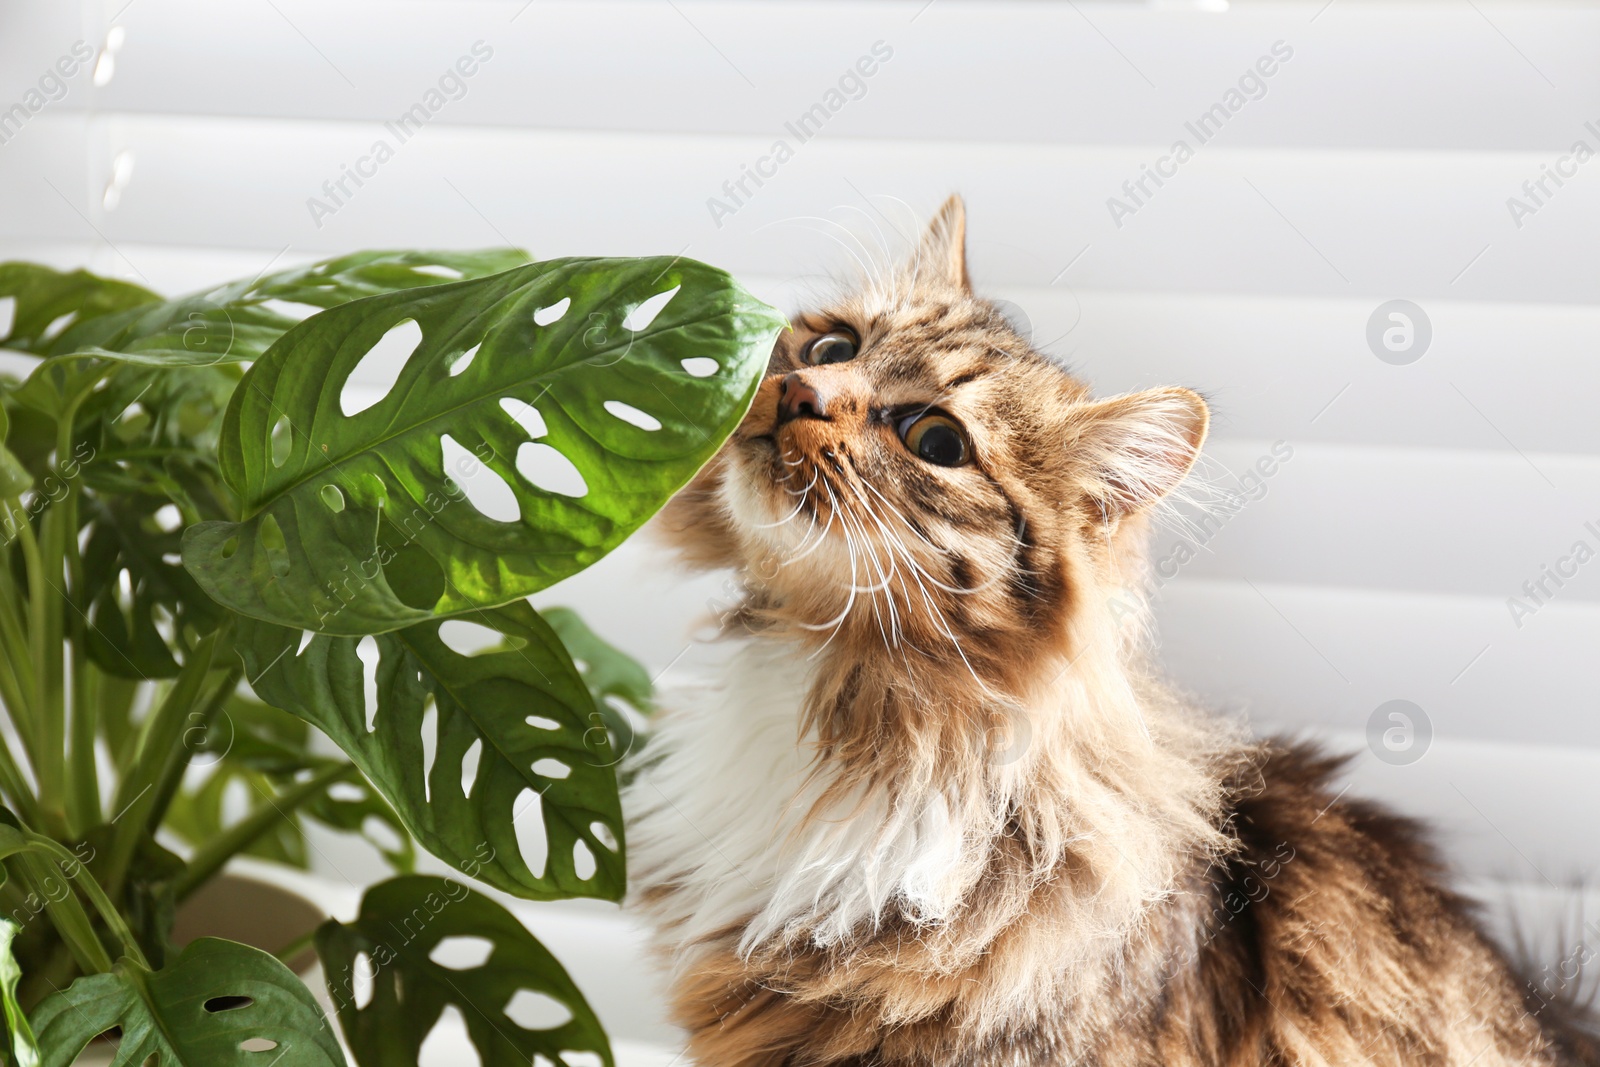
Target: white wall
1376, 165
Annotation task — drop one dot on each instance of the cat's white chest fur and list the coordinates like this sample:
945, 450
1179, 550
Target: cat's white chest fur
722, 812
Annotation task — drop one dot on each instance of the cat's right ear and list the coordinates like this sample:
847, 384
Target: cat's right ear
1131, 451
941, 257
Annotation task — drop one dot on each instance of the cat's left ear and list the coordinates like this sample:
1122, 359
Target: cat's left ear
942, 255
1135, 449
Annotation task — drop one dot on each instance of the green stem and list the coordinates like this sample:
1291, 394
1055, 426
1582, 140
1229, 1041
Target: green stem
16, 788
33, 568
67, 914
13, 635
97, 896
159, 734
244, 833
288, 952
178, 759
83, 781
44, 557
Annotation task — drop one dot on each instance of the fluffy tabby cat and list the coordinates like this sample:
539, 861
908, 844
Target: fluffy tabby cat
938, 529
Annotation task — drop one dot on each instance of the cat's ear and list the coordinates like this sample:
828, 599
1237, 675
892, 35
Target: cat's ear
1133, 450
942, 255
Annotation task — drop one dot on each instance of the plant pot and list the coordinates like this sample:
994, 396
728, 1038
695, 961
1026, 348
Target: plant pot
250, 911
239, 908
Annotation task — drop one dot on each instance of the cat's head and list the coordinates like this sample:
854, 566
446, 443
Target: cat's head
914, 476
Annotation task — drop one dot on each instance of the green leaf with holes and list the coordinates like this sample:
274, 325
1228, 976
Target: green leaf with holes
518, 1003
566, 387
50, 302
217, 1004
136, 584
620, 685
266, 751
607, 670
518, 745
101, 318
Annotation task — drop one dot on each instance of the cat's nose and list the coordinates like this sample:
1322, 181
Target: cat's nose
798, 399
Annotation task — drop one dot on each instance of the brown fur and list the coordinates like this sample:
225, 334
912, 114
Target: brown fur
1151, 887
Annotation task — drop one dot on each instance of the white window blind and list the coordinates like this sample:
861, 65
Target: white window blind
1395, 151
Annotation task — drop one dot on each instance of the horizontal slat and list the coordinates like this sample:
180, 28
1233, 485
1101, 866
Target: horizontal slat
1100, 73
1326, 658
1272, 367
1497, 376
1402, 521
1374, 225
45, 173
1417, 520
1477, 522
1502, 812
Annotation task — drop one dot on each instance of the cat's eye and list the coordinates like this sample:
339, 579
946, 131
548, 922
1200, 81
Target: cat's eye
834, 347
935, 438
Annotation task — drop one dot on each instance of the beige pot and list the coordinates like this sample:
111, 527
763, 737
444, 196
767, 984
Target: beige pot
239, 908
251, 911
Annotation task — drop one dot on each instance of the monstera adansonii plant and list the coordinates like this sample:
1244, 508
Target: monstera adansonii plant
215, 557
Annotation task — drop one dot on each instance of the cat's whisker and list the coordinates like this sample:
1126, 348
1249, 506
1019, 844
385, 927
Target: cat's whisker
785, 520
838, 623
866, 271
894, 620
802, 492
889, 550
956, 590
883, 583
940, 621
803, 551
887, 267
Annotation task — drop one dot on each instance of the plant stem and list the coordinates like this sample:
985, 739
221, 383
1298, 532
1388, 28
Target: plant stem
45, 637
83, 781
13, 637
67, 914
244, 833
178, 762
96, 894
159, 734
32, 567
288, 952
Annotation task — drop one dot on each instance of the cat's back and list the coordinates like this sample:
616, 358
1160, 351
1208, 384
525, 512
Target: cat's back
1331, 936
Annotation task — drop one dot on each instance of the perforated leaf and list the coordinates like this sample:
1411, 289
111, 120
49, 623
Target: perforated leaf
48, 302
266, 751
517, 750
607, 670
404, 924
583, 415
105, 318
218, 1004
